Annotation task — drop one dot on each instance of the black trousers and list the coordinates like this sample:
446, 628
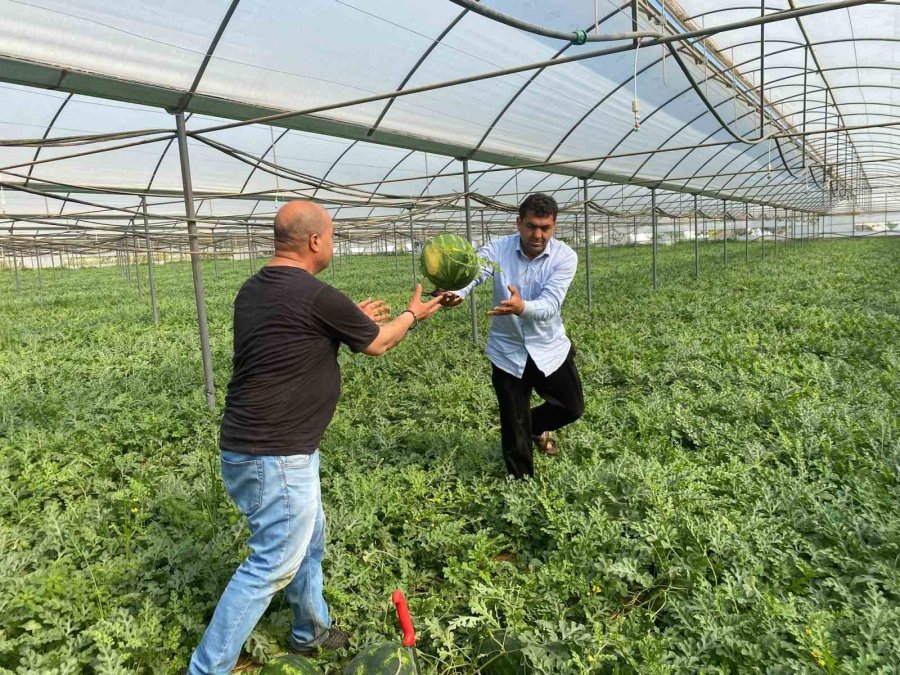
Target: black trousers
519, 422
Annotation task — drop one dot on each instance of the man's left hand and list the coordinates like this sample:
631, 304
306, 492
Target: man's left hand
515, 304
376, 310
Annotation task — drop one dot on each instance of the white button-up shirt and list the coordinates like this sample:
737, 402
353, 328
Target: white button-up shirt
543, 282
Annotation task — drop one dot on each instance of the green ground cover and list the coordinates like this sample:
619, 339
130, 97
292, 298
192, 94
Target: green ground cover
730, 501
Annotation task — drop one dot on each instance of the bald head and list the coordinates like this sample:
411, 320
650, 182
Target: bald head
295, 222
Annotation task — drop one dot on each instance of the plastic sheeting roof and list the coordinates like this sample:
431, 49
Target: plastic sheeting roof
85, 67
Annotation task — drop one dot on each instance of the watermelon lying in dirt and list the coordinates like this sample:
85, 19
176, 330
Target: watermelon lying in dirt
290, 664
449, 262
387, 658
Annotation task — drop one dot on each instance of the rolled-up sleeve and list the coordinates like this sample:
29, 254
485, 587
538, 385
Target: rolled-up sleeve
549, 303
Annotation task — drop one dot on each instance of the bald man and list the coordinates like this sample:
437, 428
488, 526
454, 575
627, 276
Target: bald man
284, 388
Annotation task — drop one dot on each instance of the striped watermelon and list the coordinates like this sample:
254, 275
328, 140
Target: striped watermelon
387, 658
501, 654
290, 664
449, 262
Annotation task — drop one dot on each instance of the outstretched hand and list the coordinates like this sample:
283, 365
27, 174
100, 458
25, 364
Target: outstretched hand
448, 298
377, 310
515, 304
423, 310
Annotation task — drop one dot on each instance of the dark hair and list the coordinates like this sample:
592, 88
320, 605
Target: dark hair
540, 205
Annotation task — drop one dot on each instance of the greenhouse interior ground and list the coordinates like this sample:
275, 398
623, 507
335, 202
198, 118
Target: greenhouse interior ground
728, 177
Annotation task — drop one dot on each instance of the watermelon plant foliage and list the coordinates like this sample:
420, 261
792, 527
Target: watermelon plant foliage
729, 503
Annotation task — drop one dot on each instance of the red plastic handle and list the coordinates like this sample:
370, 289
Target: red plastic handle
406, 624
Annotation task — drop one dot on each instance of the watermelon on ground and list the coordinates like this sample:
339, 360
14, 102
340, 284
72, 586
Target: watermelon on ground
449, 262
387, 658
290, 664
501, 654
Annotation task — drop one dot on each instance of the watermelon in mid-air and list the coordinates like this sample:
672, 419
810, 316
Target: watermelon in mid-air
387, 658
449, 262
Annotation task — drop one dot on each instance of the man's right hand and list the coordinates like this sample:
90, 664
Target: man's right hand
424, 310
391, 333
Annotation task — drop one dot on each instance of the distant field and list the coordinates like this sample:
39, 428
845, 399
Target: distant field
730, 502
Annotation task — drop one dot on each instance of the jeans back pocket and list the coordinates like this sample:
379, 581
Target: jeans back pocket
243, 478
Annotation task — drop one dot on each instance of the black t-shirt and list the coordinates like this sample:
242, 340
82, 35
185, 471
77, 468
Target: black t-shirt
286, 381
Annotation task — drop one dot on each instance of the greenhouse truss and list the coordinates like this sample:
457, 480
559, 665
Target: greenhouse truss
132, 130
402, 119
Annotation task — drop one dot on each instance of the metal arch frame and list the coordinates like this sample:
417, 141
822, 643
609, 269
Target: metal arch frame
539, 181
786, 159
518, 93
185, 99
700, 147
428, 179
808, 45
753, 160
796, 46
492, 126
821, 73
424, 56
773, 103
529, 82
711, 135
271, 147
687, 125
187, 96
380, 183
660, 108
864, 162
812, 144
412, 71
37, 152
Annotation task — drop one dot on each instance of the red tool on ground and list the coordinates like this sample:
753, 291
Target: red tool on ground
406, 624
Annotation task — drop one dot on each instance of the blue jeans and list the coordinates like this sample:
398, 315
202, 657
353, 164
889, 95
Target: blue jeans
282, 501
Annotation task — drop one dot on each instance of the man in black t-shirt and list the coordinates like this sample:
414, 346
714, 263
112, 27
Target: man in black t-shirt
284, 388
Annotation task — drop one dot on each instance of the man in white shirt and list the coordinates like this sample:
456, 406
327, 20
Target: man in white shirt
527, 344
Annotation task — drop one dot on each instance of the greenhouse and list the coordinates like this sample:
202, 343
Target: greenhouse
728, 176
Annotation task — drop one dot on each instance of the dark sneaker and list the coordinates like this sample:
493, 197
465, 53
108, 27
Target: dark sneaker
336, 639
546, 444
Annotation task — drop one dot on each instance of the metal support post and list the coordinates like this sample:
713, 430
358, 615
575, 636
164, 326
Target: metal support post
608, 238
724, 233
16, 268
762, 232
126, 261
137, 258
696, 243
215, 245
153, 306
412, 248
196, 270
775, 232
653, 224
746, 232
396, 252
37, 256
250, 252
472, 304
587, 248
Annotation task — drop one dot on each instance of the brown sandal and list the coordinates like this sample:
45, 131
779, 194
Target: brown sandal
547, 444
